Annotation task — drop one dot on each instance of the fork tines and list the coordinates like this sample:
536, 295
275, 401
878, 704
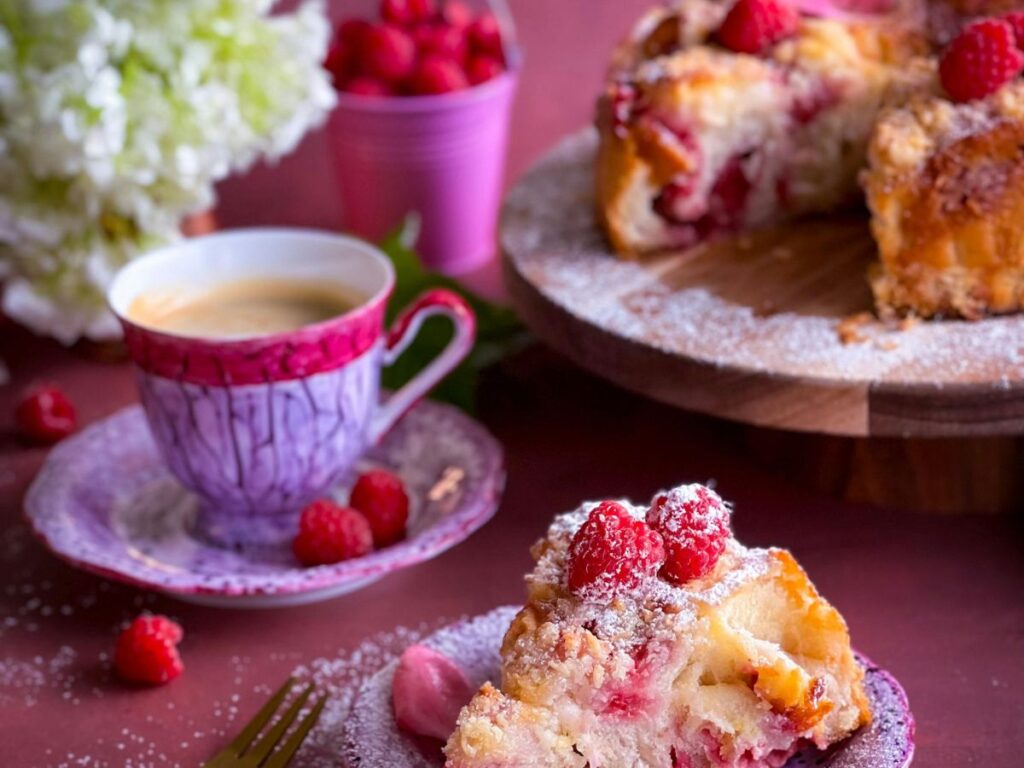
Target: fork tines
249, 750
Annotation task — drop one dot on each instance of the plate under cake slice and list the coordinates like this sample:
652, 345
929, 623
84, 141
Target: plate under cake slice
945, 186
651, 638
712, 122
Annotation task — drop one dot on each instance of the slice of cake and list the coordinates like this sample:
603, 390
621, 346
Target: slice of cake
721, 116
653, 639
945, 186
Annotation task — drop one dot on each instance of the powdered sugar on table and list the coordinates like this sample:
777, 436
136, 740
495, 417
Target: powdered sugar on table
680, 304
372, 739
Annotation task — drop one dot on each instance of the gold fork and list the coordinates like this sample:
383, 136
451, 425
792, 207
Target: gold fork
246, 752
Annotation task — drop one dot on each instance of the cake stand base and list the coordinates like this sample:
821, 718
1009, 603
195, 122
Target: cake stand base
938, 476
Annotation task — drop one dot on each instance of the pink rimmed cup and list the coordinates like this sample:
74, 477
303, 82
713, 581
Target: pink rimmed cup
259, 426
442, 157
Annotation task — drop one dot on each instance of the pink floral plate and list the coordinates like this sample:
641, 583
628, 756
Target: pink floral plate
105, 502
372, 738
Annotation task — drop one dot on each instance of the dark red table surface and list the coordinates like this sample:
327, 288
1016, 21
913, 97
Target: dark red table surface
936, 600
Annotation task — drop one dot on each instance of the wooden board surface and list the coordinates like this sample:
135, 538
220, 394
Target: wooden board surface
749, 327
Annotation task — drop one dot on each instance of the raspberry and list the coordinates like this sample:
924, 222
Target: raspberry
728, 196
382, 499
330, 533
443, 40
388, 54
456, 13
612, 551
980, 60
161, 626
339, 63
428, 691
45, 415
753, 25
694, 524
352, 33
407, 13
367, 86
485, 36
436, 75
623, 101
146, 651
483, 68
1016, 22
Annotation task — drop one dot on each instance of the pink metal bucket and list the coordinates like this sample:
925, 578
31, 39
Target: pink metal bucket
442, 157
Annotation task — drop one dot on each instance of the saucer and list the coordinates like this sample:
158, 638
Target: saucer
371, 732
105, 502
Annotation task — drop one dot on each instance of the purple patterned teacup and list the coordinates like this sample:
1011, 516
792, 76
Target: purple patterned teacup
259, 425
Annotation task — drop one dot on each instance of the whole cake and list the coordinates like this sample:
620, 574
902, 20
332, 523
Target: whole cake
726, 115
651, 638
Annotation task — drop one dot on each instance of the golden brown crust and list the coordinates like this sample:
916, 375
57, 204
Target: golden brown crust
618, 164
739, 649
799, 116
948, 229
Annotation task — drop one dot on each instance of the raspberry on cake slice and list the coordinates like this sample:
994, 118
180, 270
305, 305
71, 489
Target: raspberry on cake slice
651, 638
945, 185
720, 116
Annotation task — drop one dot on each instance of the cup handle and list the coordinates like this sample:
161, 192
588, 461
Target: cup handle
403, 331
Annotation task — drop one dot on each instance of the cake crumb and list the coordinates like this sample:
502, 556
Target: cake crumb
850, 328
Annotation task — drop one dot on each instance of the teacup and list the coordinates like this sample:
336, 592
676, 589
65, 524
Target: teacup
259, 425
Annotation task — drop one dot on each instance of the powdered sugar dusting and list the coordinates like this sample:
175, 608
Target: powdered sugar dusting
550, 234
372, 739
77, 676
341, 677
655, 609
614, 550
371, 736
677, 506
888, 742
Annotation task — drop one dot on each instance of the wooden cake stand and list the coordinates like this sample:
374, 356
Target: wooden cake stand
775, 329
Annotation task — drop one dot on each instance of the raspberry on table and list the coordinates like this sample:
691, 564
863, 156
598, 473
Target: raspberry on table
146, 651
380, 496
694, 525
980, 60
435, 75
407, 13
483, 68
612, 552
330, 533
753, 25
388, 54
45, 415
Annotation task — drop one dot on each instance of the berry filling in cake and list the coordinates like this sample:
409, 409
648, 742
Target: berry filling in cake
726, 116
651, 638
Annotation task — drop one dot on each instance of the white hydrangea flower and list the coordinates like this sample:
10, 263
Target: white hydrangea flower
117, 117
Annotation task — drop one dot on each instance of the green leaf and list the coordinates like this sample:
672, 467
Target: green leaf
499, 331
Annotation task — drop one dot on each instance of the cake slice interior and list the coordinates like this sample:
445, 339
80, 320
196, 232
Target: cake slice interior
698, 139
701, 653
